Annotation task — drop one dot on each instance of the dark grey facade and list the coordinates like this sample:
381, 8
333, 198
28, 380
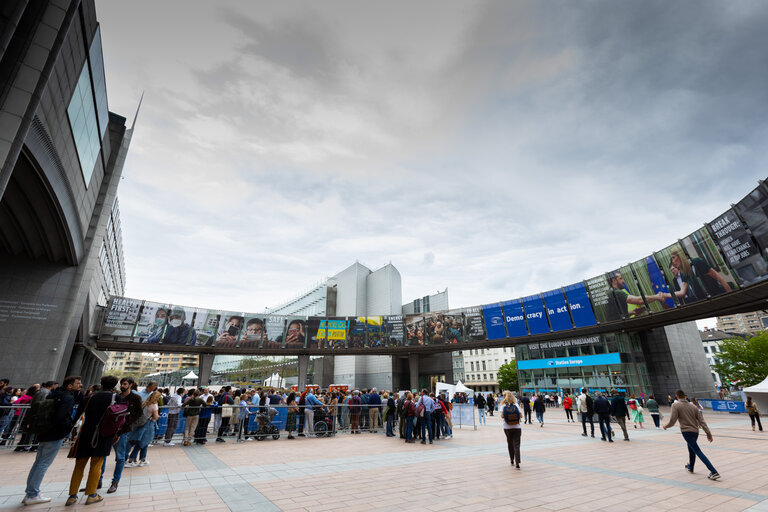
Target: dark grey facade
61, 156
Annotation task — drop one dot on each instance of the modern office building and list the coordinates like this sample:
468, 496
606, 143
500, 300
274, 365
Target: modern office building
750, 323
61, 157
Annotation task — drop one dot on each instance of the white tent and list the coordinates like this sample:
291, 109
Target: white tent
461, 388
759, 393
190, 376
448, 389
275, 381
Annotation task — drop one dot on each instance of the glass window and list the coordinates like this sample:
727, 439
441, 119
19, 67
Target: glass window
82, 120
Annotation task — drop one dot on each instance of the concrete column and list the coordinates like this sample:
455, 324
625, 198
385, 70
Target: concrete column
413, 367
303, 366
204, 373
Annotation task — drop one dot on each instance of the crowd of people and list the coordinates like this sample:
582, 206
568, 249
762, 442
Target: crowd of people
116, 416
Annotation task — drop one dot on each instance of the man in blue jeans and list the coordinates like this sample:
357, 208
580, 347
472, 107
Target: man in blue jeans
50, 441
691, 419
426, 424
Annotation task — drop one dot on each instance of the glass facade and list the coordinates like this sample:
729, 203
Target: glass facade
628, 376
88, 112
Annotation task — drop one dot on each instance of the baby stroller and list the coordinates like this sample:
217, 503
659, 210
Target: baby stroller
323, 423
266, 427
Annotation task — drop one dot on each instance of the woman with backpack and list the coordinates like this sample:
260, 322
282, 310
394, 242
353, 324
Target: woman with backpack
754, 413
512, 414
144, 431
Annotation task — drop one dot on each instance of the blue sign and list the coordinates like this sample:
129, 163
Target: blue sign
535, 314
515, 318
566, 362
494, 322
557, 310
724, 405
581, 308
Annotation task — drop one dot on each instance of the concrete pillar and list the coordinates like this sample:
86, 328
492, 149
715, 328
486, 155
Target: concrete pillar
413, 367
303, 366
204, 370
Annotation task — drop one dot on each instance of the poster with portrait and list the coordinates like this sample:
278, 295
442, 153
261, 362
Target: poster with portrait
653, 284
474, 327
273, 337
121, 317
597, 287
673, 263
624, 297
454, 326
253, 335
206, 326
179, 330
739, 250
152, 322
295, 332
712, 274
414, 330
357, 332
393, 330
434, 329
230, 328
374, 331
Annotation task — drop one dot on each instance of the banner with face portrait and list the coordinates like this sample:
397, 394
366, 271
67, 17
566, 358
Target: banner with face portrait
434, 329
414, 330
652, 285
121, 317
624, 297
275, 326
673, 263
231, 326
454, 327
712, 274
152, 321
253, 335
179, 330
295, 332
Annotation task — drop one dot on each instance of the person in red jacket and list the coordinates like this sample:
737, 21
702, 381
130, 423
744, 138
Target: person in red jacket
568, 406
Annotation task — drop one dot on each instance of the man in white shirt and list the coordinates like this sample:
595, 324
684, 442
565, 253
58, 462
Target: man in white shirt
174, 403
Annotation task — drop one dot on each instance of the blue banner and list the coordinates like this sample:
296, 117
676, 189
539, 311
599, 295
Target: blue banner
535, 314
534, 364
724, 405
515, 318
581, 308
494, 322
557, 310
657, 280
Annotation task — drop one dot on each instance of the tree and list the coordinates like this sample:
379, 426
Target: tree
507, 376
743, 361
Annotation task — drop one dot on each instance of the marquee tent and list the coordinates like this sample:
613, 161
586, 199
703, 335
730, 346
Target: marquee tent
759, 393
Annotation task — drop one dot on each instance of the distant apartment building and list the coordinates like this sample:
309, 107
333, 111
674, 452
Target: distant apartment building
750, 323
481, 367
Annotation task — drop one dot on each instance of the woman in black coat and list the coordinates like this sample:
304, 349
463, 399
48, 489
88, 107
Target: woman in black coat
539, 407
90, 445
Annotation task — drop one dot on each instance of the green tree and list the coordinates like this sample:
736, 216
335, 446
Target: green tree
507, 376
743, 360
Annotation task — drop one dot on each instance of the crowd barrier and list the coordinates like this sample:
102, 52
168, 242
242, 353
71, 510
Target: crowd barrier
249, 422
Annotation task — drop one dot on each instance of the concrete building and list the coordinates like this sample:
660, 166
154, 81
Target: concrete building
61, 157
750, 323
481, 367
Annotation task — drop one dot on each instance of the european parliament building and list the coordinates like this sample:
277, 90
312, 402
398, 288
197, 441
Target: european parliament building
61, 157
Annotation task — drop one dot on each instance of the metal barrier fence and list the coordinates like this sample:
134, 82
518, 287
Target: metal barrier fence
246, 422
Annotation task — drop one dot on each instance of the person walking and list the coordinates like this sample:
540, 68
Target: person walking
144, 434
585, 406
50, 441
539, 408
653, 409
135, 413
426, 424
527, 409
602, 407
90, 444
174, 407
691, 420
754, 413
636, 410
491, 402
511, 414
480, 403
620, 412
191, 409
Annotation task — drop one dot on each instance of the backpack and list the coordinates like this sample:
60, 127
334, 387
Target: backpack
141, 420
411, 408
40, 417
113, 419
421, 408
400, 409
511, 415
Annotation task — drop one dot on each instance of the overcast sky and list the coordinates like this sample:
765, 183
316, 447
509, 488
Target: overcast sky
497, 149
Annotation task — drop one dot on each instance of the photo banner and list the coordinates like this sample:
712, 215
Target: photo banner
736, 245
454, 327
316, 332
579, 305
121, 317
232, 326
373, 328
152, 322
494, 322
535, 314
624, 297
557, 310
753, 210
206, 326
275, 325
474, 326
253, 336
434, 328
295, 332
678, 273
394, 330
357, 332
514, 318
598, 296
713, 276
657, 301
414, 328
178, 330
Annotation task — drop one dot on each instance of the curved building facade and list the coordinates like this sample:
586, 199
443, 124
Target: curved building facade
61, 156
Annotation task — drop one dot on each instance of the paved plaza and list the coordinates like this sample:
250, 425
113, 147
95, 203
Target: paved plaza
560, 470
